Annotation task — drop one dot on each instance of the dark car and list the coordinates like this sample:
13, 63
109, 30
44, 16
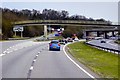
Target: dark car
54, 45
62, 41
102, 41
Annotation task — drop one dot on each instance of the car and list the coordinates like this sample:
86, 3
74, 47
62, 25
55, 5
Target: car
62, 41
54, 45
102, 41
69, 40
57, 34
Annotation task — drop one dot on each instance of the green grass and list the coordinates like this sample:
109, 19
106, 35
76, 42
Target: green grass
16, 37
117, 41
103, 63
2, 40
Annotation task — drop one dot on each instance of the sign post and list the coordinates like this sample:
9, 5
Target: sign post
45, 31
18, 29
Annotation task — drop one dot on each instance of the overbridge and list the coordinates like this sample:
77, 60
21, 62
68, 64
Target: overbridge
80, 23
103, 30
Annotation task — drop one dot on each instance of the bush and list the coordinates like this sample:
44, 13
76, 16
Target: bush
67, 33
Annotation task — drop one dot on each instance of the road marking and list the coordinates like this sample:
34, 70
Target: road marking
4, 52
37, 55
2, 55
76, 63
31, 68
34, 60
39, 52
18, 47
111, 43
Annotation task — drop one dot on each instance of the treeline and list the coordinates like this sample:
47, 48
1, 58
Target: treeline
13, 15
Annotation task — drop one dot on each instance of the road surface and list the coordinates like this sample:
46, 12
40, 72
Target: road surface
28, 59
37, 61
109, 44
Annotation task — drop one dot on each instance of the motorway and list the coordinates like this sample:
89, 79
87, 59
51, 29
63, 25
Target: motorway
28, 59
109, 44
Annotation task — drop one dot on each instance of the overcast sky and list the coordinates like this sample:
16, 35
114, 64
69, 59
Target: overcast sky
106, 10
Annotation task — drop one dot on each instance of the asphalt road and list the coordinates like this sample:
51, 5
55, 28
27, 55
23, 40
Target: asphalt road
109, 44
28, 59
37, 61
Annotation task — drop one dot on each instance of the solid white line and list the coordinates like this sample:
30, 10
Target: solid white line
76, 63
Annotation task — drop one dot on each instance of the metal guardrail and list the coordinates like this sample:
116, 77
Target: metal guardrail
105, 49
18, 38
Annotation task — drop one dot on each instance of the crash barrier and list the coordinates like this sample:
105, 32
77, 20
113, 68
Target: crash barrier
104, 48
18, 38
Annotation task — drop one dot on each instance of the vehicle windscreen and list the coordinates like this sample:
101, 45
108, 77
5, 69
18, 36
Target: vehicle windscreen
55, 42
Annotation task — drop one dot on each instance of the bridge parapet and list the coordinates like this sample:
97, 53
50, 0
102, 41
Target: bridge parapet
60, 22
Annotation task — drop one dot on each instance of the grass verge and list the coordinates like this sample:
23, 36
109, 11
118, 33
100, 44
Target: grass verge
101, 62
117, 41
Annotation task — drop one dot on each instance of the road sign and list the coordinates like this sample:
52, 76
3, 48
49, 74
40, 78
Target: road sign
18, 28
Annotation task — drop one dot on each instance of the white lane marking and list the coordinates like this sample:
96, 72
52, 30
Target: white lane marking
111, 43
76, 63
19, 46
31, 68
38, 52
34, 60
4, 52
37, 55
2, 55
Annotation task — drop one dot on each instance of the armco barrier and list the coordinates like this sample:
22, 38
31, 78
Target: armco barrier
18, 38
105, 49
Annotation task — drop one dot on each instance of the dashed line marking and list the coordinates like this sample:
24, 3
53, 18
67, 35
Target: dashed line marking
18, 47
2, 55
39, 52
34, 60
32, 66
37, 55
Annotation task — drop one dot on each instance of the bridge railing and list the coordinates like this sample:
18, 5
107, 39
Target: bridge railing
117, 51
60, 21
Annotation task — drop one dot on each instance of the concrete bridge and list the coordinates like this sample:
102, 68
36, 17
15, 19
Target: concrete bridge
105, 31
80, 23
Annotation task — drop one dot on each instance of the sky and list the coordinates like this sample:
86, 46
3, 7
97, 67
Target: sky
96, 10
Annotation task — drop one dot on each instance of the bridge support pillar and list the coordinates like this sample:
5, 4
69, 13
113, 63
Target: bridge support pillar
113, 34
45, 31
105, 35
98, 34
87, 33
